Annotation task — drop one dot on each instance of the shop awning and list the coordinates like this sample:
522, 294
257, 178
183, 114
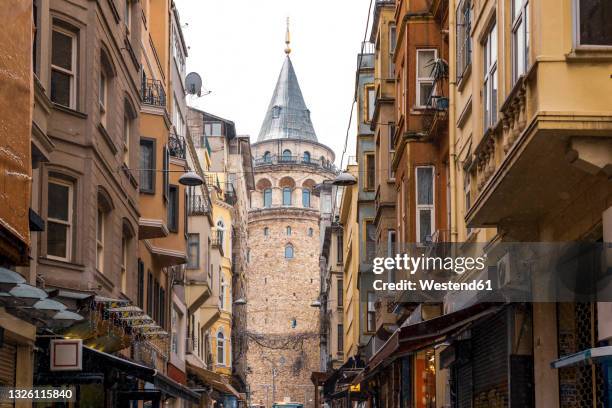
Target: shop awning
413, 337
164, 384
584, 357
215, 380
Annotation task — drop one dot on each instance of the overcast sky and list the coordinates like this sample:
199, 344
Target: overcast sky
237, 47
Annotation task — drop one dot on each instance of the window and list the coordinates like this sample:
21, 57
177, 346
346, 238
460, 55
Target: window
391, 150
391, 243
287, 196
147, 165
339, 248
125, 248
150, 294
213, 129
286, 155
490, 78
276, 112
162, 307
221, 232
177, 51
222, 288
126, 138
340, 293
593, 22
100, 239
425, 203
310, 232
464, 39
289, 251
165, 173
467, 193
268, 198
178, 120
193, 251
140, 289
174, 346
520, 38
370, 94
63, 67
340, 338
59, 219
424, 80
306, 198
371, 318
127, 14
392, 44
267, 158
288, 231
220, 348
266, 231
370, 179
370, 241
173, 209
103, 95
306, 157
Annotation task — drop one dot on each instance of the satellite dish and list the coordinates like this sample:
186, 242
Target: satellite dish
193, 83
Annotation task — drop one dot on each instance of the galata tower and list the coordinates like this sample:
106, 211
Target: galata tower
283, 240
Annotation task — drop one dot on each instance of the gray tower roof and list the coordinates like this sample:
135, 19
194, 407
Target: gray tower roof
287, 116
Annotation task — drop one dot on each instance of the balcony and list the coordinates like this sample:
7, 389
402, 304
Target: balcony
152, 92
216, 240
298, 160
199, 205
229, 193
386, 320
176, 146
435, 116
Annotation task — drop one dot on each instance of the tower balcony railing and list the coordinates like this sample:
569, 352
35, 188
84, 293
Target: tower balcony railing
176, 146
301, 160
152, 92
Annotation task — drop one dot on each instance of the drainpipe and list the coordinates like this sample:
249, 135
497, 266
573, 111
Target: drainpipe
452, 86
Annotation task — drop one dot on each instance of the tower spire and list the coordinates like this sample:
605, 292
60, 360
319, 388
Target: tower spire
288, 39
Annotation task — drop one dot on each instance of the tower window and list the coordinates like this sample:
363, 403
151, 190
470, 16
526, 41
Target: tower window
286, 196
306, 157
310, 232
266, 231
268, 198
288, 230
289, 251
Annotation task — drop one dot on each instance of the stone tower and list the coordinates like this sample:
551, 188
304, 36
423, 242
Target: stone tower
283, 239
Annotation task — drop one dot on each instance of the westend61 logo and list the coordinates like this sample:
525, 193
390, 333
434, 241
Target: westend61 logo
412, 264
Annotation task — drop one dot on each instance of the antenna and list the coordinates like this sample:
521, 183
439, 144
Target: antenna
193, 83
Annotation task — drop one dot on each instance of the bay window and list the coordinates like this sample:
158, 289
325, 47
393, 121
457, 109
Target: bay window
424, 79
147, 165
520, 38
592, 22
59, 219
63, 67
425, 209
489, 91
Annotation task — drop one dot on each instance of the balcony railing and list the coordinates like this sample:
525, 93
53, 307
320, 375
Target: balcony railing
285, 159
199, 205
176, 146
229, 193
152, 92
216, 240
200, 141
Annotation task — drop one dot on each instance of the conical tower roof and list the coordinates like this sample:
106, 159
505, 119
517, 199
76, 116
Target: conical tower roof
287, 116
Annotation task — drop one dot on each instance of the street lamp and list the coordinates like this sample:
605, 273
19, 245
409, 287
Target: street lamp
316, 303
345, 179
240, 302
191, 179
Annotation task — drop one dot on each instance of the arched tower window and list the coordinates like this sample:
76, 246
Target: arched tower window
306, 198
286, 155
289, 251
287, 196
267, 158
288, 230
266, 231
220, 347
306, 158
268, 198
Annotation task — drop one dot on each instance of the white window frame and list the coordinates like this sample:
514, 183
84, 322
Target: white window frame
220, 345
520, 45
576, 30
124, 262
431, 207
100, 220
73, 72
392, 44
391, 137
67, 223
127, 121
423, 80
103, 94
490, 77
370, 103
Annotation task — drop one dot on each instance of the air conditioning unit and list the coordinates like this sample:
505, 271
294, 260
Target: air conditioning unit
509, 274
